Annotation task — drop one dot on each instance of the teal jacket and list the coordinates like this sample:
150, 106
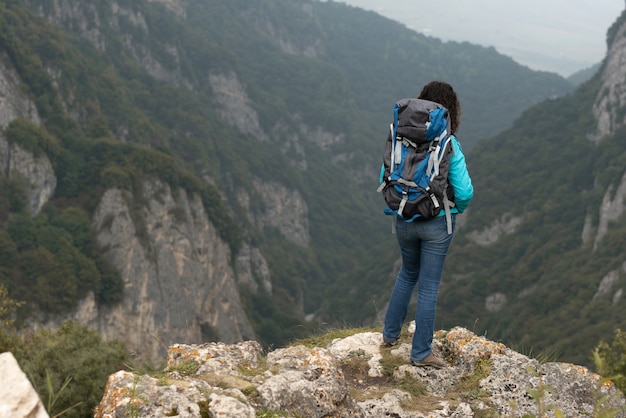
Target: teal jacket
459, 179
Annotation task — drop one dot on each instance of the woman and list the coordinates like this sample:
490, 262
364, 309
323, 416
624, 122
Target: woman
424, 246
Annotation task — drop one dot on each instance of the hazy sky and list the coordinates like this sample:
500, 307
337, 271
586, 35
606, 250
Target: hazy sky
562, 36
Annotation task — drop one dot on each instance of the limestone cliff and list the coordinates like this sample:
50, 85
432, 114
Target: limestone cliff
14, 102
608, 110
37, 170
611, 97
180, 284
14, 160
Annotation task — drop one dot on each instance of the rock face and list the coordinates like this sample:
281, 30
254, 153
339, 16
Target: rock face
611, 98
611, 209
14, 102
355, 377
14, 160
179, 281
504, 226
37, 170
18, 399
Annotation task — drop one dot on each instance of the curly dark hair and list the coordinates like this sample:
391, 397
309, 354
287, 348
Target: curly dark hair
444, 94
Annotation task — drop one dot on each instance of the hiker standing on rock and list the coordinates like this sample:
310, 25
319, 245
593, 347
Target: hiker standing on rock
424, 206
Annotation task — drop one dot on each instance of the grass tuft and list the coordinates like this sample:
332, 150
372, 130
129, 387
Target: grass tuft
325, 338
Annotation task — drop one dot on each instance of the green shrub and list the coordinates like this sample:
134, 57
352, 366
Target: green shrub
71, 365
610, 359
68, 368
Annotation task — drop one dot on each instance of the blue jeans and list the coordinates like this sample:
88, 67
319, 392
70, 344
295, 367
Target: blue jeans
424, 246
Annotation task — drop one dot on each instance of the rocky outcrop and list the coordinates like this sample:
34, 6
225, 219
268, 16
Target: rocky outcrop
496, 301
608, 111
178, 7
14, 103
611, 99
37, 171
611, 209
235, 106
15, 160
18, 398
280, 207
506, 225
87, 20
179, 282
609, 282
252, 270
284, 209
308, 42
79, 17
355, 377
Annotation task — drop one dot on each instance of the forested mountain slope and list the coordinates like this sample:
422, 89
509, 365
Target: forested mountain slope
177, 171
539, 261
546, 254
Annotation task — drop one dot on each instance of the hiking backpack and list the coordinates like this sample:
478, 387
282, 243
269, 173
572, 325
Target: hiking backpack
414, 174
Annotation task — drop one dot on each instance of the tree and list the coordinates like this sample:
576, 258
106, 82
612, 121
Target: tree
8, 306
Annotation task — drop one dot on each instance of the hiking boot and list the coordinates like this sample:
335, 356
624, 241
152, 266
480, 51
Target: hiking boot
389, 343
430, 360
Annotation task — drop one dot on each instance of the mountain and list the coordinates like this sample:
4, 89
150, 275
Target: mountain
551, 230
188, 171
583, 75
538, 262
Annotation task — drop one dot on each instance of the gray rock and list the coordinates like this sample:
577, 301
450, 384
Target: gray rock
18, 399
179, 282
347, 378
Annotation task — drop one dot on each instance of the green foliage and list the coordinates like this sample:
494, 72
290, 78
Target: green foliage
57, 261
390, 363
8, 252
614, 29
8, 307
69, 367
610, 359
273, 316
14, 198
188, 367
32, 138
54, 395
468, 385
54, 287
